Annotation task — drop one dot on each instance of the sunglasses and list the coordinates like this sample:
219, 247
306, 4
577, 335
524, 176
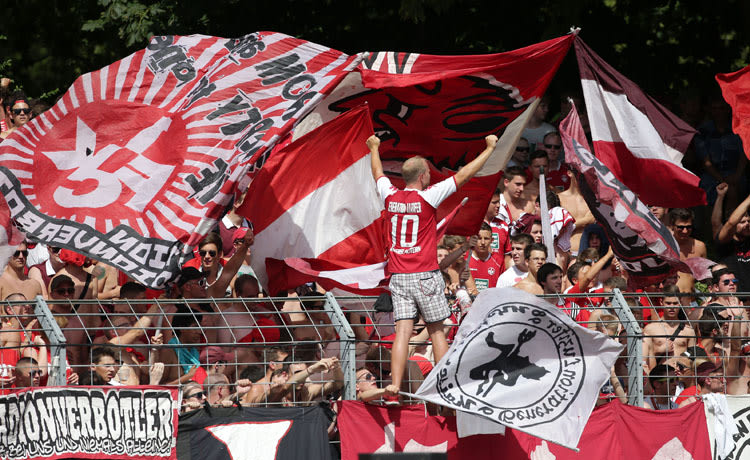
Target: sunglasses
553, 146
200, 282
522, 149
65, 291
18, 253
211, 253
683, 227
33, 374
199, 395
237, 242
54, 249
369, 376
25, 111
728, 282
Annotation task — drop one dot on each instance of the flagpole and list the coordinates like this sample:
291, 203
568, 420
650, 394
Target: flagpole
544, 211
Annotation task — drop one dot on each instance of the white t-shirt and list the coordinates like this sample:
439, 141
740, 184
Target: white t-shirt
510, 277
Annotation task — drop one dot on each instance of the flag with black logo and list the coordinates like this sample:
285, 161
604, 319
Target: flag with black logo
644, 246
138, 160
520, 361
244, 433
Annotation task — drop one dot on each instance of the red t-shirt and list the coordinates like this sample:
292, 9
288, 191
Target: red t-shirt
485, 272
266, 334
688, 392
412, 224
500, 245
8, 359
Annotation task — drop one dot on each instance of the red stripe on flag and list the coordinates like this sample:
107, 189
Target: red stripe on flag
671, 190
310, 172
735, 87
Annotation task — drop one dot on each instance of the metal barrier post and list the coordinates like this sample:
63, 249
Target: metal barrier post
56, 340
635, 348
348, 345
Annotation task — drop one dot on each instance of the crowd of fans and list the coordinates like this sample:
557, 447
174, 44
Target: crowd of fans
249, 349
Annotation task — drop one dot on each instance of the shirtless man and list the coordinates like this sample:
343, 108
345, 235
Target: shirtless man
86, 284
535, 256
513, 203
106, 276
539, 160
572, 200
681, 224
13, 280
63, 289
668, 336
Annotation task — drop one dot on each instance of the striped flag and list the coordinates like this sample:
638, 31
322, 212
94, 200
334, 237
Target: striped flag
639, 140
316, 199
137, 161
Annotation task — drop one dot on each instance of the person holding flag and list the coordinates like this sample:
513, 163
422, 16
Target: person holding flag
416, 283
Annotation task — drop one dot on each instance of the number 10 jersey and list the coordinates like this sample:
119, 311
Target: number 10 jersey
412, 224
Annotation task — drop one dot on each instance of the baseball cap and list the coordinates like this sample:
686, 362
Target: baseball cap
212, 355
239, 233
189, 274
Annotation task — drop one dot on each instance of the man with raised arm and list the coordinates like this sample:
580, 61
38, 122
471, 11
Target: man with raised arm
416, 283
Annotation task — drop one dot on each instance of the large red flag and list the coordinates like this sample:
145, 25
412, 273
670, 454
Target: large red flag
442, 107
316, 198
735, 87
614, 431
639, 140
137, 161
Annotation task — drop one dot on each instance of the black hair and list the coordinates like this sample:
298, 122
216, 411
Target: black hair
547, 270
534, 247
683, 214
539, 153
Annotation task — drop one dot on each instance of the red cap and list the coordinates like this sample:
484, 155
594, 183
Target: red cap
71, 257
239, 233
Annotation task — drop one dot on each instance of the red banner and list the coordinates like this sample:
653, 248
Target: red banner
614, 431
89, 422
442, 107
139, 159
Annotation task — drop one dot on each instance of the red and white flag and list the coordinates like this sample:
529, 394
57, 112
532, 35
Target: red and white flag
735, 87
642, 243
369, 279
639, 140
137, 161
614, 431
316, 199
442, 107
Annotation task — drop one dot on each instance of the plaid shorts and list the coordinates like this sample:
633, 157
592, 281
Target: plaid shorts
415, 293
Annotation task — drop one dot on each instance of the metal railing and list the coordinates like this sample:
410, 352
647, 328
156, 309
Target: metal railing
311, 328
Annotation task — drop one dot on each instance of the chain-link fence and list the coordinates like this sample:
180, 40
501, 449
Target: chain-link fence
291, 351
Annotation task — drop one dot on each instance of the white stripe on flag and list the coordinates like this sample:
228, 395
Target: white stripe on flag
321, 220
614, 119
507, 143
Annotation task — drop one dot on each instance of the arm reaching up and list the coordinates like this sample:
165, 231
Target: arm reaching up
468, 171
373, 143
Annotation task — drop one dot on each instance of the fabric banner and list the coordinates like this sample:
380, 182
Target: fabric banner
735, 87
643, 244
637, 138
520, 361
738, 444
442, 107
316, 198
135, 163
614, 431
243, 433
89, 422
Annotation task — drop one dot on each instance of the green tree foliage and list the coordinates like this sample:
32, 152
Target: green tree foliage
666, 46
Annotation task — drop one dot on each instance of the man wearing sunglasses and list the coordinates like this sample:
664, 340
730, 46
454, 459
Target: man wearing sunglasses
18, 110
43, 272
14, 280
556, 174
28, 373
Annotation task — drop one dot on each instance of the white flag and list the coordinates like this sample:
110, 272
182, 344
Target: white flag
522, 362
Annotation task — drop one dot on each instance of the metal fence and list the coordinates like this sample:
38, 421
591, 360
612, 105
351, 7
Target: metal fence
243, 337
